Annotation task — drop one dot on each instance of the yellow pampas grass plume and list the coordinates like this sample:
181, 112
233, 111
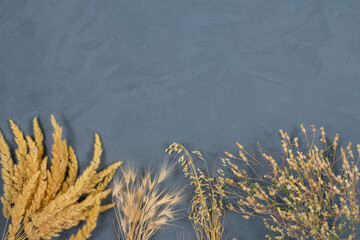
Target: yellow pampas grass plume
42, 201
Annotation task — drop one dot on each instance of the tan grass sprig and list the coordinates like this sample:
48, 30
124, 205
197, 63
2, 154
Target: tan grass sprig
142, 207
310, 195
206, 211
42, 201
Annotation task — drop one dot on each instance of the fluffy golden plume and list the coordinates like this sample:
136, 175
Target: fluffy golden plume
85, 232
7, 174
42, 201
38, 138
21, 151
21, 205
72, 169
59, 163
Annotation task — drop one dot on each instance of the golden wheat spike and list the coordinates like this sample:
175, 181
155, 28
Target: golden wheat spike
39, 137
80, 211
72, 170
85, 179
97, 151
7, 173
85, 232
102, 179
21, 204
32, 162
21, 152
103, 208
94, 164
40, 196
17, 180
39, 193
81, 186
72, 215
59, 162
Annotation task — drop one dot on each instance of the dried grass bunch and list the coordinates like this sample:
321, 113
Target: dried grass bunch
141, 205
207, 211
43, 201
305, 197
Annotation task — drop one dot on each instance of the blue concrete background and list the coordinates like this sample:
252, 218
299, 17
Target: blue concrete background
206, 73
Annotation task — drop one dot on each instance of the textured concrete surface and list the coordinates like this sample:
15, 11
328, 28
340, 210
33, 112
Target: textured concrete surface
206, 73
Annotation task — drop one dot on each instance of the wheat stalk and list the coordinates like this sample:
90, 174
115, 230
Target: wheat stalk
206, 208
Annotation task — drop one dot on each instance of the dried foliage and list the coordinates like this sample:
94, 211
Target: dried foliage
304, 197
42, 202
207, 211
141, 206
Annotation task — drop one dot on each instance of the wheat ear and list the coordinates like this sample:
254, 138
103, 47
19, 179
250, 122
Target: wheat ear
72, 170
7, 173
32, 162
81, 186
38, 138
85, 232
59, 163
103, 178
20, 206
39, 193
21, 151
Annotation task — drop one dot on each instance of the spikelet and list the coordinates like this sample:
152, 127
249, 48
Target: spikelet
41, 202
7, 174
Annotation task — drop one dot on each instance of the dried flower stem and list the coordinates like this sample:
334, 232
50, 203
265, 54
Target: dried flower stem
304, 198
207, 210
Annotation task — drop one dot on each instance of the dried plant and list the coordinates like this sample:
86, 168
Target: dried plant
207, 211
141, 206
41, 202
304, 197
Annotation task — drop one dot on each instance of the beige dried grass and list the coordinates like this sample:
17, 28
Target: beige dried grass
304, 197
206, 211
142, 206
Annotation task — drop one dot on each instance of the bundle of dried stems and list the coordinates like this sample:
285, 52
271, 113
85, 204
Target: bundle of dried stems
42, 201
305, 197
206, 211
141, 206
